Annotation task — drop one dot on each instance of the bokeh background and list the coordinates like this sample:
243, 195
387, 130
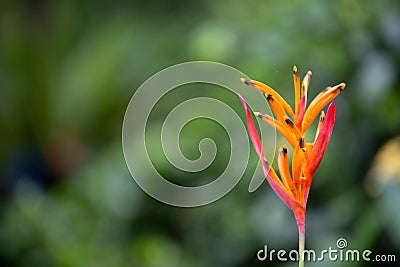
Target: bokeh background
68, 70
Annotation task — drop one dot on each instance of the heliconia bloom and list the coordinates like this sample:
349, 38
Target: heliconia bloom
293, 186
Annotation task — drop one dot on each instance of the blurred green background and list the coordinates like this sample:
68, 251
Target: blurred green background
68, 70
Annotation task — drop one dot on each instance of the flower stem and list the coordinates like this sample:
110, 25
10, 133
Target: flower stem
300, 219
301, 248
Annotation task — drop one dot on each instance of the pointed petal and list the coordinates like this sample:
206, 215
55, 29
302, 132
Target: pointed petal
283, 194
296, 85
319, 102
293, 128
283, 165
276, 107
321, 120
279, 126
300, 114
304, 86
322, 141
268, 90
298, 161
303, 187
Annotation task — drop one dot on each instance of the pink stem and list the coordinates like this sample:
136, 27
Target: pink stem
300, 215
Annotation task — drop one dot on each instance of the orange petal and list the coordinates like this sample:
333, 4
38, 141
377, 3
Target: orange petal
297, 163
274, 176
268, 90
276, 107
319, 102
303, 188
293, 127
283, 165
279, 126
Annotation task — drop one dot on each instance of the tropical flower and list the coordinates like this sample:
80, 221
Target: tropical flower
293, 186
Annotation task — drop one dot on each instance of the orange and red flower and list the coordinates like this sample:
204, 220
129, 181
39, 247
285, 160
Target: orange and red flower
293, 186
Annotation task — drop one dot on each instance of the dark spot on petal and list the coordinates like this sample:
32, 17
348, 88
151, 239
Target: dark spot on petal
301, 142
289, 122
